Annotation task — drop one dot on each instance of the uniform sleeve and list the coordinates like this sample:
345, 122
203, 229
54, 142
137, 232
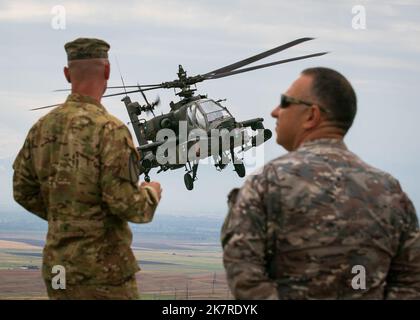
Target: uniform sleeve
403, 280
26, 187
244, 241
119, 177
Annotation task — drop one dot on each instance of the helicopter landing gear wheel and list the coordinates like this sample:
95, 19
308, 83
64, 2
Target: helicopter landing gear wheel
237, 164
240, 169
146, 176
189, 181
191, 175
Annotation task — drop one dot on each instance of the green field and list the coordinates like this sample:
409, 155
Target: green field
170, 269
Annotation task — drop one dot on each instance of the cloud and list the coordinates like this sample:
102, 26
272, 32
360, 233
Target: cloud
24, 11
375, 61
94, 12
152, 37
388, 30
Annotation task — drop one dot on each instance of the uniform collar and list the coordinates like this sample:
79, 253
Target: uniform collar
324, 142
76, 97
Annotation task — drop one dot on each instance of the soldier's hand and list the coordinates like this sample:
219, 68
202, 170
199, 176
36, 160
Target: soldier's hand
155, 185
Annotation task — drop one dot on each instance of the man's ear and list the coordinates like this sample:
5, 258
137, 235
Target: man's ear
107, 71
67, 74
313, 117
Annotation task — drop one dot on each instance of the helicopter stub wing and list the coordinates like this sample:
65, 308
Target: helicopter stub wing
150, 146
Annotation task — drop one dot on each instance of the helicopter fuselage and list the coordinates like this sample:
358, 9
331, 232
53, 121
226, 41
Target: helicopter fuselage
201, 125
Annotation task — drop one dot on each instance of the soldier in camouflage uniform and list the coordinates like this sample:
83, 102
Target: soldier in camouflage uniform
318, 222
78, 170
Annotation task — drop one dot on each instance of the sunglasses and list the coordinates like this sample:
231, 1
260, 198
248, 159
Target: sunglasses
286, 101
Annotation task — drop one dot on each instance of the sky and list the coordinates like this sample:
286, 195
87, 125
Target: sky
373, 43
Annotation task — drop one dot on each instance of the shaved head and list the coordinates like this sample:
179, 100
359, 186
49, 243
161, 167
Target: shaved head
88, 76
87, 69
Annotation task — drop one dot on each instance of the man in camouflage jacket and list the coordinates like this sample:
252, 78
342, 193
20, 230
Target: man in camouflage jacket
318, 222
78, 170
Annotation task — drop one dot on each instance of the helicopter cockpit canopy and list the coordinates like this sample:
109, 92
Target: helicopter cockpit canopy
205, 112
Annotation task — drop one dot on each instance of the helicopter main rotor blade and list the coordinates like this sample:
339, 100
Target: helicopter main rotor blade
61, 90
257, 57
108, 95
115, 87
134, 86
132, 91
50, 106
226, 74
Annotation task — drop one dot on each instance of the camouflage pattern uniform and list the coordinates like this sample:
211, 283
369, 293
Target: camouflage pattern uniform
296, 230
74, 172
77, 170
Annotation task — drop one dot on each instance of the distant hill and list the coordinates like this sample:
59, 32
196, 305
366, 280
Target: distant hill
203, 228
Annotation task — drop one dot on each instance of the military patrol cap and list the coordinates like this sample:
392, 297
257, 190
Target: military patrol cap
86, 48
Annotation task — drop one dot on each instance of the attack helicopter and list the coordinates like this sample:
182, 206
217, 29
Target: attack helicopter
220, 134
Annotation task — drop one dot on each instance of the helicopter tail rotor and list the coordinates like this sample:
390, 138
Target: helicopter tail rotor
149, 107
